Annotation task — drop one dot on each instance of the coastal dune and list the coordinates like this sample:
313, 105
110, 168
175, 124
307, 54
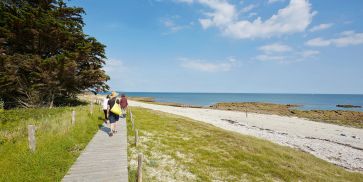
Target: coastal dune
340, 145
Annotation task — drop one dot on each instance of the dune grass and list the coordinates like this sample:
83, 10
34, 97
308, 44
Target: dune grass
58, 142
181, 149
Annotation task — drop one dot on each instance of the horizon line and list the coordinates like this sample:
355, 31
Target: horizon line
199, 92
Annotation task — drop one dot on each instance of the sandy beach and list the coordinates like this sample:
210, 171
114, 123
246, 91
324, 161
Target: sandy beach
340, 145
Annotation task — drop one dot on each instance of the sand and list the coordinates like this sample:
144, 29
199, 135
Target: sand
339, 145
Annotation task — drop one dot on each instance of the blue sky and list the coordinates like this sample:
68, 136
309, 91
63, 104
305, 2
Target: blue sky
268, 46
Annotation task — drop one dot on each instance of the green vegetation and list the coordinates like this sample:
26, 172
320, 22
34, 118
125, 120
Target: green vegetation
339, 117
180, 149
58, 142
45, 57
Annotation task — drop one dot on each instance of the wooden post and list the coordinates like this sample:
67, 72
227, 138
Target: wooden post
139, 168
136, 137
133, 124
73, 117
31, 137
91, 108
246, 113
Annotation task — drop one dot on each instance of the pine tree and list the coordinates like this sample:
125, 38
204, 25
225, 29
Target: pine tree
44, 54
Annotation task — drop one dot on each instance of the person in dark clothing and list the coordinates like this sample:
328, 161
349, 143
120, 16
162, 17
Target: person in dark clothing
112, 117
123, 105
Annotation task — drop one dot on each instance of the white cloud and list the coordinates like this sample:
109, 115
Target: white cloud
184, 1
318, 42
274, 1
347, 33
222, 16
114, 65
252, 14
275, 47
296, 17
265, 57
346, 38
206, 23
170, 23
248, 8
295, 56
321, 27
293, 18
309, 53
205, 66
116, 69
284, 54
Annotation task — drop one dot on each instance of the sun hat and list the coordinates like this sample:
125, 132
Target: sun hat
114, 94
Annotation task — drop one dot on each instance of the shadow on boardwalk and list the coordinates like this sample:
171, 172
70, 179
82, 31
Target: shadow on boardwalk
104, 128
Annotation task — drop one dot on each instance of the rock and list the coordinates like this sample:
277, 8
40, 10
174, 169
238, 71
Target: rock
348, 106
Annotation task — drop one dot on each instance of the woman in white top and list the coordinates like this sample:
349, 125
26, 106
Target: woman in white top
104, 107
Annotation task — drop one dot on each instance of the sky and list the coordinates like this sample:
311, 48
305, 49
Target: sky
230, 46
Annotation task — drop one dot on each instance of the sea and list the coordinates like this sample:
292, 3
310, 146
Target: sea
306, 101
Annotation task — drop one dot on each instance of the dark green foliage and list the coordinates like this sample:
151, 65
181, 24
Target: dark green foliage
44, 54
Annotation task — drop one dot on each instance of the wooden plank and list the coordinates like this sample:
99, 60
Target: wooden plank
104, 158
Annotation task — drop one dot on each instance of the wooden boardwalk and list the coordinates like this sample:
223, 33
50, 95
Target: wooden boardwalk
104, 158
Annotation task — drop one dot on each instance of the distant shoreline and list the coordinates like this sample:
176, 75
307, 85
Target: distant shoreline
304, 101
276, 93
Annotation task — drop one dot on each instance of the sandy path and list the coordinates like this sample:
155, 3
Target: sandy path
340, 145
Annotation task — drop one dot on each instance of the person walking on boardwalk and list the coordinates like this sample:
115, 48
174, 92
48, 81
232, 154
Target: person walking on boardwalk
114, 111
123, 105
104, 107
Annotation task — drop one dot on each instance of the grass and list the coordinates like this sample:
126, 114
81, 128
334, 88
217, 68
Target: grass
181, 149
58, 142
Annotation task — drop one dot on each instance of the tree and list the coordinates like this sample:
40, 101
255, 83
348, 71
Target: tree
44, 54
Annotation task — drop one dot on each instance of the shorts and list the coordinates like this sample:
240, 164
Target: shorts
113, 118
